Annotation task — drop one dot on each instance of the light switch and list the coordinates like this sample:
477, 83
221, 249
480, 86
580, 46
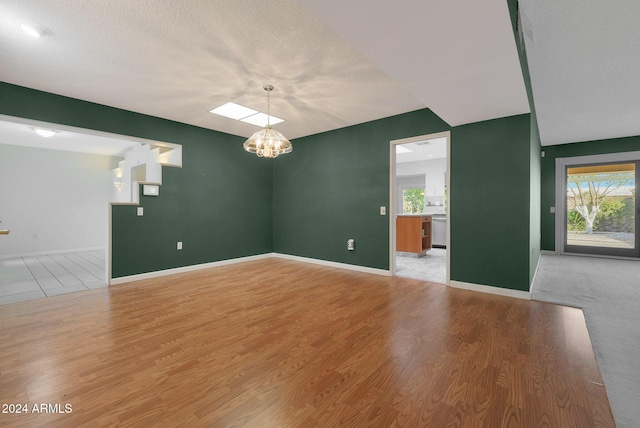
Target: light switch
179, 245
140, 211
383, 210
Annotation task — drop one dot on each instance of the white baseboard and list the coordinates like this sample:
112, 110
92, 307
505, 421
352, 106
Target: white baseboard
456, 284
45, 253
491, 290
159, 273
192, 268
334, 264
535, 274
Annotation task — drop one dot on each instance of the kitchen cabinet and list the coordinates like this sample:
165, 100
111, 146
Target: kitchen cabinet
413, 233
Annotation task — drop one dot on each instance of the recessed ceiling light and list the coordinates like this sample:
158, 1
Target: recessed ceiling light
34, 30
401, 149
233, 111
46, 133
260, 119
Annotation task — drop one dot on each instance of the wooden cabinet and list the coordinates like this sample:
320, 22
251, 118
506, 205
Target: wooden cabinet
413, 233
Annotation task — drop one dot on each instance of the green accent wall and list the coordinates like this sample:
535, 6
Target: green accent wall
226, 204
220, 204
534, 147
548, 171
490, 203
331, 187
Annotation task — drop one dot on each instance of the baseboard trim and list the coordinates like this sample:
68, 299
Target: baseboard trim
334, 264
455, 284
548, 252
535, 274
46, 253
184, 269
526, 295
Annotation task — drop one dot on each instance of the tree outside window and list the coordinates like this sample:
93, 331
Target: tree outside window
413, 201
600, 200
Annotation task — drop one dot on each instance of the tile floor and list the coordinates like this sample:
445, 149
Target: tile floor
431, 268
34, 277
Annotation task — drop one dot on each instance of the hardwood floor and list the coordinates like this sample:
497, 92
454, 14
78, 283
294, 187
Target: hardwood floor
276, 343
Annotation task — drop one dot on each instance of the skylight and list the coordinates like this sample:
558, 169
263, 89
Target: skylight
233, 111
245, 114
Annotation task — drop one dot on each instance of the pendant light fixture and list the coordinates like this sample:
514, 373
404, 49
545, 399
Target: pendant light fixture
267, 142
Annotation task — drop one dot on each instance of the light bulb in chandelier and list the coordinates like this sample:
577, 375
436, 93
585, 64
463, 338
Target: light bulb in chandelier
267, 142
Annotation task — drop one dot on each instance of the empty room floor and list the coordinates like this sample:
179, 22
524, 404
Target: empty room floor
275, 343
34, 277
608, 292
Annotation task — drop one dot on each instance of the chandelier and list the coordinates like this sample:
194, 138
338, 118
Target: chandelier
267, 142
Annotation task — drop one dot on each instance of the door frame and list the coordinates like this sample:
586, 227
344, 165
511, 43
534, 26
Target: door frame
392, 196
561, 186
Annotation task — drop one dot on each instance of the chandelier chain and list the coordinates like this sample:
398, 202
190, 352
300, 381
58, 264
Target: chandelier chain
268, 111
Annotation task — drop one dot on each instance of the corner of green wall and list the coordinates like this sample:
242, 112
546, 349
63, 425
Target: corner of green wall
490, 202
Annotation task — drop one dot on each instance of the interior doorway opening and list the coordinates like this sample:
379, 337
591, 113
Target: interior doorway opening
57, 193
419, 211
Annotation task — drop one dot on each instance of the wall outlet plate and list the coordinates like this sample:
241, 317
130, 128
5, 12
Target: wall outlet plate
351, 244
150, 190
179, 245
140, 211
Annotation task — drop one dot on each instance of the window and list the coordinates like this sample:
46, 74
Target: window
413, 200
600, 208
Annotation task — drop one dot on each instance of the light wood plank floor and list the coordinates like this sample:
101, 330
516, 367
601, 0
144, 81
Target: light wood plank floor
276, 343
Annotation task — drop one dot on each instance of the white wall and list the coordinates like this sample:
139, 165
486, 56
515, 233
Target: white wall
434, 181
434, 171
52, 200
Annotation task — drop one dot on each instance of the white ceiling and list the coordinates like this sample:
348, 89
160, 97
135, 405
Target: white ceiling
21, 132
336, 63
333, 64
435, 148
584, 58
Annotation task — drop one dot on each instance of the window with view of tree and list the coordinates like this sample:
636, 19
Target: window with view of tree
413, 201
601, 205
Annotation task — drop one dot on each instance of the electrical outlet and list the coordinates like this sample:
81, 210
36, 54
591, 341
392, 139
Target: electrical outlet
351, 244
140, 211
179, 245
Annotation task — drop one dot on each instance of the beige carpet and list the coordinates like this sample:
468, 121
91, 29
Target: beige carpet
608, 291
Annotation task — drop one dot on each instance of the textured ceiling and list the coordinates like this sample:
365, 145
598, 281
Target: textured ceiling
584, 59
20, 132
332, 64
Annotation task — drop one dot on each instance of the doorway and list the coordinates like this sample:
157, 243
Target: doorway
57, 193
419, 187
598, 205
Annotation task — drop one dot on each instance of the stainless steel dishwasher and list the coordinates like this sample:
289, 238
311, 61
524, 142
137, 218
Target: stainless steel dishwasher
439, 230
